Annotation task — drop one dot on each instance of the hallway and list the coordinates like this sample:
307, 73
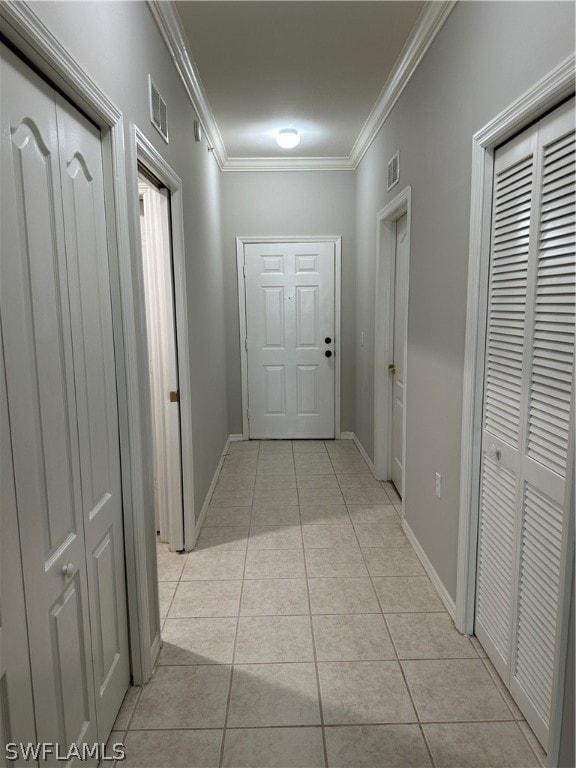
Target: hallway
303, 631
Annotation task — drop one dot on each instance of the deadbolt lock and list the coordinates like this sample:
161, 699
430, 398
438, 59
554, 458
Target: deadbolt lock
392, 369
175, 396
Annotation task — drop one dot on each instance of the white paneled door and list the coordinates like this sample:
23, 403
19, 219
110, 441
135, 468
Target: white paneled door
61, 386
290, 326
399, 349
528, 395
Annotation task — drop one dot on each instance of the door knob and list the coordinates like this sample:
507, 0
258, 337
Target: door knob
392, 369
68, 570
328, 340
328, 353
496, 452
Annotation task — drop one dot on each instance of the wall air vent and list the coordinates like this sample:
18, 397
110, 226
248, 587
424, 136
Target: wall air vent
158, 114
394, 170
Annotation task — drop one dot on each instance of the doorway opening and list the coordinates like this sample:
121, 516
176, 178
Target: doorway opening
392, 273
162, 356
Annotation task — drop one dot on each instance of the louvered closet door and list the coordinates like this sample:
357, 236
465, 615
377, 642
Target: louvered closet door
527, 402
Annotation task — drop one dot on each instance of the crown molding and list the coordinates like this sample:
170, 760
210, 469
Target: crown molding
170, 26
288, 164
429, 23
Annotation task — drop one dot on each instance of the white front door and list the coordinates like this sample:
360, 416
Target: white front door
162, 361
289, 289
399, 348
61, 386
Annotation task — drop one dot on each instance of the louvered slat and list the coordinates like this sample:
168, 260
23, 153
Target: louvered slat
538, 597
553, 354
495, 551
506, 312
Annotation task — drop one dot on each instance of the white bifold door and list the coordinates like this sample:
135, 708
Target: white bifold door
528, 416
289, 289
61, 391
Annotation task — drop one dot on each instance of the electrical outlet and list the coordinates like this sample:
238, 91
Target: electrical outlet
438, 485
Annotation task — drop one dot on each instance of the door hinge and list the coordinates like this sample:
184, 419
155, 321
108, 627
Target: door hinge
244, 271
175, 396
246, 344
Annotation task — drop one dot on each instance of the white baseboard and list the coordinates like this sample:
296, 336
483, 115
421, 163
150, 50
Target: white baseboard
208, 499
235, 438
365, 456
449, 603
358, 444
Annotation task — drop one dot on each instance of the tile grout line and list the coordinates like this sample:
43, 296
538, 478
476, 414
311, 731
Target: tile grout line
400, 667
324, 726
314, 651
234, 647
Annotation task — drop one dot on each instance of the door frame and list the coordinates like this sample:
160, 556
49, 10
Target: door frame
337, 242
384, 332
29, 36
543, 96
145, 154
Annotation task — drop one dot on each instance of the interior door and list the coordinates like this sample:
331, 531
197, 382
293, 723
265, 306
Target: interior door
162, 361
527, 409
399, 348
16, 702
96, 405
290, 339
60, 375
42, 408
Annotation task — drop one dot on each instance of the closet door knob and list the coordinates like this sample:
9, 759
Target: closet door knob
68, 570
328, 340
328, 353
496, 452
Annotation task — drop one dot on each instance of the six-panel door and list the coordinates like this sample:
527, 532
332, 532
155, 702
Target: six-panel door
290, 339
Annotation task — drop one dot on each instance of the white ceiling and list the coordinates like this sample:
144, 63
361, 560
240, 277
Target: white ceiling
316, 66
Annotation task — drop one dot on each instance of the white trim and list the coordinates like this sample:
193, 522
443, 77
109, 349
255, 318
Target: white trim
347, 436
548, 92
429, 23
337, 242
168, 22
232, 164
545, 94
430, 570
235, 438
181, 532
34, 40
363, 453
384, 329
208, 499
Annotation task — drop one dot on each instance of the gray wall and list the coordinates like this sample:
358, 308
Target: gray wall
288, 203
118, 44
486, 55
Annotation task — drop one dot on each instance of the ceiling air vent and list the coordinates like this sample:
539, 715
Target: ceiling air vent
158, 114
394, 170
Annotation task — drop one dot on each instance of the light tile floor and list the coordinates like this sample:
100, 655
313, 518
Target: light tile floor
303, 632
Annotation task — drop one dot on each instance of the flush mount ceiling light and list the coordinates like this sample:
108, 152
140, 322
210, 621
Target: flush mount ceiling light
287, 138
